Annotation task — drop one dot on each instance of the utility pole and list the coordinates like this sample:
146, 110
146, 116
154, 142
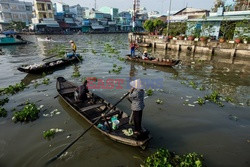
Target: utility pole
134, 15
170, 3
95, 4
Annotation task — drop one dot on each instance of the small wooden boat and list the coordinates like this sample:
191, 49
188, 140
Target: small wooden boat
167, 63
44, 40
7, 38
144, 44
48, 66
92, 111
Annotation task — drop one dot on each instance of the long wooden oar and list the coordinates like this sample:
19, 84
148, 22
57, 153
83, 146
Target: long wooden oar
49, 57
66, 148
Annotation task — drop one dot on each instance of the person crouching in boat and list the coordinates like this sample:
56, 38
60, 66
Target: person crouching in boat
145, 55
136, 96
80, 93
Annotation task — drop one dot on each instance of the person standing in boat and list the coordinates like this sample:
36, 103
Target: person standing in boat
133, 46
136, 96
73, 46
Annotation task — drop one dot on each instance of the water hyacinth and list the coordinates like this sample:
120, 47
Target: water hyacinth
51, 133
13, 89
28, 113
76, 72
3, 112
4, 101
164, 158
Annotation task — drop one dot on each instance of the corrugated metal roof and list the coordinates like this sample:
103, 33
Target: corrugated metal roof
223, 18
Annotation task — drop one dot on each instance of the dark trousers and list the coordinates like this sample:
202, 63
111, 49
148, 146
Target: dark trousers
137, 120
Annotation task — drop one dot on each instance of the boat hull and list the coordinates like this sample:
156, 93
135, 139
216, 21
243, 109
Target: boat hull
47, 68
169, 63
111, 134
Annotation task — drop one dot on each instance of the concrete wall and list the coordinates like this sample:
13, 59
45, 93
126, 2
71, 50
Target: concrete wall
221, 52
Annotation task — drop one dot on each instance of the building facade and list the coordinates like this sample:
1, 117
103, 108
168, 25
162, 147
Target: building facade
14, 10
44, 21
218, 23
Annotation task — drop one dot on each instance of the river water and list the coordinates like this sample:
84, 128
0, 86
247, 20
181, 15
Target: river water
221, 134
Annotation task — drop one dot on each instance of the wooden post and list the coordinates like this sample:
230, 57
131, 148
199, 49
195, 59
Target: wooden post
212, 53
179, 48
193, 50
233, 54
166, 46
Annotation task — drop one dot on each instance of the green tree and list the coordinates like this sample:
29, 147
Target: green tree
227, 29
149, 25
158, 25
176, 29
17, 25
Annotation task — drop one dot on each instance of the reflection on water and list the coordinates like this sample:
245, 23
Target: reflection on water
174, 124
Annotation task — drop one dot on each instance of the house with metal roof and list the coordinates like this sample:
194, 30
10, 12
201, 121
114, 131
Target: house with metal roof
215, 23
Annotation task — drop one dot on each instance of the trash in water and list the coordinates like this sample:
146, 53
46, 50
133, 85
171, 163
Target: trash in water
233, 117
191, 105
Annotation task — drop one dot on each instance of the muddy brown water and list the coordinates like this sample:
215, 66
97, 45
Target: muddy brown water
221, 134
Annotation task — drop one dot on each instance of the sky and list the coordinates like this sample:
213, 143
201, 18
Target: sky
151, 5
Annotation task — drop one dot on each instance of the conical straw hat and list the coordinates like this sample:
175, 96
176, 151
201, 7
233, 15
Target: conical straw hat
136, 84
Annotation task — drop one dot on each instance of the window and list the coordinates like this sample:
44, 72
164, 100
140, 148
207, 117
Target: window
49, 7
50, 15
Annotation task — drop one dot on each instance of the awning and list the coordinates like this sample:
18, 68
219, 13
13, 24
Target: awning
96, 27
52, 25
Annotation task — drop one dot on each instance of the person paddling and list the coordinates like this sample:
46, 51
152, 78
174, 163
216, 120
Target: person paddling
133, 46
136, 96
73, 46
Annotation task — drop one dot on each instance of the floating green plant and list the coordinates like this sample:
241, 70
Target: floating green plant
200, 101
28, 113
46, 81
59, 50
229, 99
48, 134
116, 69
202, 88
13, 89
84, 50
4, 101
159, 101
36, 84
121, 58
193, 84
214, 97
93, 51
76, 72
164, 158
3, 112
149, 92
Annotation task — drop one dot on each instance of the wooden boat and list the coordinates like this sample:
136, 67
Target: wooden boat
44, 40
8, 39
144, 44
92, 111
167, 63
48, 66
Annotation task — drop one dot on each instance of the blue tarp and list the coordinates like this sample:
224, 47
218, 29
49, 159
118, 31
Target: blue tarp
9, 32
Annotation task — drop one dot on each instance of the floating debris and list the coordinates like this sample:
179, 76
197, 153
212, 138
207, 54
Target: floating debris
233, 117
159, 101
191, 105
